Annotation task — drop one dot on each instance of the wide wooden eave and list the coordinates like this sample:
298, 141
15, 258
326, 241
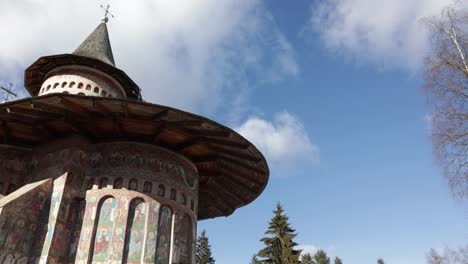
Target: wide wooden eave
233, 172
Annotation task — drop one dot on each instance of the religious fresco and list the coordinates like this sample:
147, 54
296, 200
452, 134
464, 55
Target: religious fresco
135, 231
70, 230
105, 229
58, 233
142, 158
152, 231
74, 222
15, 237
73, 246
189, 178
89, 216
181, 253
19, 221
147, 187
133, 184
118, 183
164, 236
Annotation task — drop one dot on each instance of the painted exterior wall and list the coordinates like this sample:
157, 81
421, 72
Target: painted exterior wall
116, 202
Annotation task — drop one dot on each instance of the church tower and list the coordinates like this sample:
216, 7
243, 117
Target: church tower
89, 173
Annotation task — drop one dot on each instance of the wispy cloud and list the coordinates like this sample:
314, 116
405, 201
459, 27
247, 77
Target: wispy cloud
195, 55
283, 140
387, 33
308, 249
312, 249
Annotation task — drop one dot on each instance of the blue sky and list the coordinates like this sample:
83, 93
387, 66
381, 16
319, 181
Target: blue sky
329, 90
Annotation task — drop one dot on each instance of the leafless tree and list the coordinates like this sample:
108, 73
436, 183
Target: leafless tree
446, 83
449, 256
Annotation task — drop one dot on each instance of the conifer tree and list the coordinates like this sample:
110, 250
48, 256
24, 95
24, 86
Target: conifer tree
380, 261
306, 259
337, 261
321, 257
255, 260
279, 245
203, 250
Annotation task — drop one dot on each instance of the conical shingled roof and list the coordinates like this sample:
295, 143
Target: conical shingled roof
97, 46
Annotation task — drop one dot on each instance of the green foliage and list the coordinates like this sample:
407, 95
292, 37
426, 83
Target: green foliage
321, 257
380, 261
279, 245
337, 261
255, 260
203, 250
306, 259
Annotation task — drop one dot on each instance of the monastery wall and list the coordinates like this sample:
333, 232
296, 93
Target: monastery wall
115, 202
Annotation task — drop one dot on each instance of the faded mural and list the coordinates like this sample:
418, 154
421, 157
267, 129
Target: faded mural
135, 232
71, 220
104, 230
164, 236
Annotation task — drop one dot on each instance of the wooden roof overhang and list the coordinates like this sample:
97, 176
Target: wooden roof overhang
35, 74
232, 170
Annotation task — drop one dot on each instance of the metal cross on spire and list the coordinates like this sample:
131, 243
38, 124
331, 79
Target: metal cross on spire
8, 91
107, 13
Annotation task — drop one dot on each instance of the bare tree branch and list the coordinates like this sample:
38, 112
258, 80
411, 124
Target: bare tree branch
446, 83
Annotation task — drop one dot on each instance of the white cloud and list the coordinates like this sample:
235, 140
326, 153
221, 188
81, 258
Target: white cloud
312, 249
282, 140
308, 249
388, 33
188, 54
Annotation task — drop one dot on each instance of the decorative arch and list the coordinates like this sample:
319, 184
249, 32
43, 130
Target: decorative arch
161, 190
118, 183
164, 235
103, 183
133, 184
104, 230
135, 231
147, 187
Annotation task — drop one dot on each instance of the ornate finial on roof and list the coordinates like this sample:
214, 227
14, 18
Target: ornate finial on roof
107, 13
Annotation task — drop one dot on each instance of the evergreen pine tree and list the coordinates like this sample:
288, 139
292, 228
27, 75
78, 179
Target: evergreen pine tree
306, 259
255, 260
203, 250
321, 257
380, 261
337, 261
280, 246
